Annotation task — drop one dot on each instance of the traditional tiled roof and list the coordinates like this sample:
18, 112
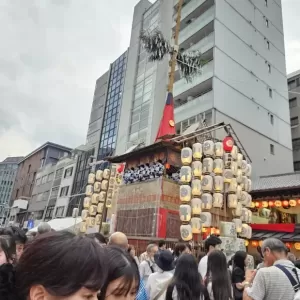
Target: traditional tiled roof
284, 236
277, 182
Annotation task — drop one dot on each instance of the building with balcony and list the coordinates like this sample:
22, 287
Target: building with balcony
294, 100
28, 167
8, 171
243, 81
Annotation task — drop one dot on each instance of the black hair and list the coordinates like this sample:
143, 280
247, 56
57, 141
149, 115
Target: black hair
161, 243
121, 265
98, 236
239, 259
187, 280
218, 275
179, 248
16, 233
4, 246
297, 264
62, 263
200, 256
212, 241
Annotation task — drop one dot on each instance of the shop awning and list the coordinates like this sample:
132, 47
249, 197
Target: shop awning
284, 236
62, 224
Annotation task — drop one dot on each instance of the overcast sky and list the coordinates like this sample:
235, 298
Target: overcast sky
52, 52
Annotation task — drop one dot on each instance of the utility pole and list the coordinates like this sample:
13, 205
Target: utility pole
175, 48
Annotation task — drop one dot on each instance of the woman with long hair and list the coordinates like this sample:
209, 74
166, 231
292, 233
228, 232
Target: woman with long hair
187, 282
238, 273
123, 276
181, 248
56, 265
217, 280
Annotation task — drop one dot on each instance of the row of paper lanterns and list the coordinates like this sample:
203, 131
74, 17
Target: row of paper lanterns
96, 193
259, 243
275, 203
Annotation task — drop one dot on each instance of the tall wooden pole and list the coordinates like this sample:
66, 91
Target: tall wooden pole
175, 49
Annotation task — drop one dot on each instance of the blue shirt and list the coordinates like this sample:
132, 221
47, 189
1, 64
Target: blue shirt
142, 294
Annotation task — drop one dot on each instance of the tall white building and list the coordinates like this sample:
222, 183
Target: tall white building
242, 83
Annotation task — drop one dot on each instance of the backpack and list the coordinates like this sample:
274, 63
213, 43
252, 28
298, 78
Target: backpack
295, 283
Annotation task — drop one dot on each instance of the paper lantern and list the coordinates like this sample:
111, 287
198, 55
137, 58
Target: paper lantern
244, 198
90, 222
249, 186
197, 151
100, 208
288, 245
218, 184
99, 175
249, 202
218, 166
239, 192
248, 170
206, 218
102, 196
185, 174
232, 201
196, 225
245, 215
91, 178
245, 183
252, 204
227, 229
86, 202
185, 213
186, 156
228, 143
186, 232
227, 160
93, 210
234, 168
219, 151
196, 205
84, 214
238, 225
257, 204
89, 190
246, 243
207, 166
239, 176
278, 203
207, 183
106, 174
208, 148
244, 167
297, 246
234, 152
254, 244
271, 203
237, 212
218, 200
292, 203
104, 185
97, 187
246, 232
264, 204
185, 193
83, 227
228, 175
249, 221
95, 198
285, 203
232, 186
196, 187
239, 159
98, 219
197, 168
206, 201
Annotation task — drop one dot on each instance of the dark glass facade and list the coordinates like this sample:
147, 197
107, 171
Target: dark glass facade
112, 109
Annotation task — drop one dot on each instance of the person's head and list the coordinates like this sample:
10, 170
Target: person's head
162, 245
118, 239
43, 228
131, 250
273, 249
98, 237
61, 265
291, 257
239, 259
123, 278
218, 273
212, 243
187, 278
152, 249
181, 248
4, 252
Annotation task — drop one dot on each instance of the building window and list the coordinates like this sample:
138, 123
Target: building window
272, 150
60, 211
268, 44
294, 121
271, 119
59, 173
68, 172
49, 213
293, 102
296, 144
44, 179
269, 68
267, 22
38, 182
54, 192
270, 93
51, 176
64, 191
296, 165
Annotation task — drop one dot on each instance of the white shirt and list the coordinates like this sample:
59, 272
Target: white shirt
157, 282
145, 270
202, 268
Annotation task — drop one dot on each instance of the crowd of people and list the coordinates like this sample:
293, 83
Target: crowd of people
62, 265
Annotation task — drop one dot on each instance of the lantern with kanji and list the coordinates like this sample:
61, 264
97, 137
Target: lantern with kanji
218, 200
87, 202
196, 187
97, 187
196, 204
232, 201
218, 184
207, 183
197, 168
232, 186
207, 165
206, 219
89, 190
99, 175
219, 151
186, 232
106, 174
186, 156
206, 201
185, 193
197, 151
208, 148
237, 212
228, 175
218, 166
185, 174
91, 178
95, 198
185, 213
196, 225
